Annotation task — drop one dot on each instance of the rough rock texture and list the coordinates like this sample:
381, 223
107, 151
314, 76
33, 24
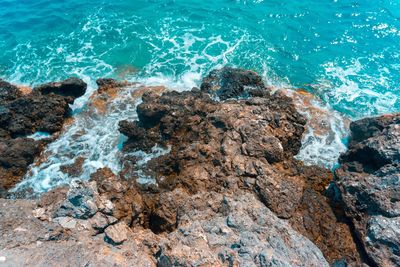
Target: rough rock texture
245, 145
213, 230
369, 183
231, 82
210, 178
42, 110
71, 87
235, 230
27, 239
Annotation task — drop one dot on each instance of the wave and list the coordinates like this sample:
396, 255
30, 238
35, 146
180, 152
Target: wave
172, 55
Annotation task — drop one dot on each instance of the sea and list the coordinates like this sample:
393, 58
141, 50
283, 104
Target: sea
344, 52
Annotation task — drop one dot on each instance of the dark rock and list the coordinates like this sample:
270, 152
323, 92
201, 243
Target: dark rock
8, 92
18, 153
44, 109
72, 87
369, 182
232, 83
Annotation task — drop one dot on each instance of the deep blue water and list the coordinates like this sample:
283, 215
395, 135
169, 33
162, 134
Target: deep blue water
345, 51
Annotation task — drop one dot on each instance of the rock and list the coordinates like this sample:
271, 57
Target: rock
8, 92
23, 114
235, 230
108, 83
46, 243
18, 153
66, 222
369, 185
17, 214
230, 146
231, 83
118, 197
206, 183
80, 202
72, 87
15, 157
117, 233
75, 169
100, 222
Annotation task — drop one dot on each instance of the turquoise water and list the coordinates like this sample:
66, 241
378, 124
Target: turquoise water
345, 51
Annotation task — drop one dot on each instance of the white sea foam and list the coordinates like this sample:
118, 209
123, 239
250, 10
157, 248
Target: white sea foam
357, 92
176, 60
92, 136
325, 137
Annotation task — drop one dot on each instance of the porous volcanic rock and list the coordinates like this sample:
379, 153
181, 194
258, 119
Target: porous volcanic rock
238, 145
231, 82
43, 110
369, 183
71, 87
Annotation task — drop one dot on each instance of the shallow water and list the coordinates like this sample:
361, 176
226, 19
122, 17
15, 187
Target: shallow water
344, 52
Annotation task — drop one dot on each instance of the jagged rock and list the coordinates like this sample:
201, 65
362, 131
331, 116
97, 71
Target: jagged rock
117, 233
80, 202
99, 221
235, 230
28, 241
369, 183
231, 82
105, 84
75, 169
117, 197
8, 92
243, 144
71, 87
18, 153
24, 114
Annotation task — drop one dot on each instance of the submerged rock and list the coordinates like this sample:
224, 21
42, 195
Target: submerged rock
369, 183
231, 83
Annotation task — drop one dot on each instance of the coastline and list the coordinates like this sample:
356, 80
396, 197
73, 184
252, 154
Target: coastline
223, 187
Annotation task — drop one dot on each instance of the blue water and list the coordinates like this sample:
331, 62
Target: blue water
345, 51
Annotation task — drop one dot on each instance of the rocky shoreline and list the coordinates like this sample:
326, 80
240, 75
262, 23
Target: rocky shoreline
224, 189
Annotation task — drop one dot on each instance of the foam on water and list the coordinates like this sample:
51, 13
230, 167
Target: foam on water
143, 159
326, 134
346, 53
93, 136
356, 92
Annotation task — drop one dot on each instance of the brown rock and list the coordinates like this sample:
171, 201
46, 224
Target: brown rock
246, 144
